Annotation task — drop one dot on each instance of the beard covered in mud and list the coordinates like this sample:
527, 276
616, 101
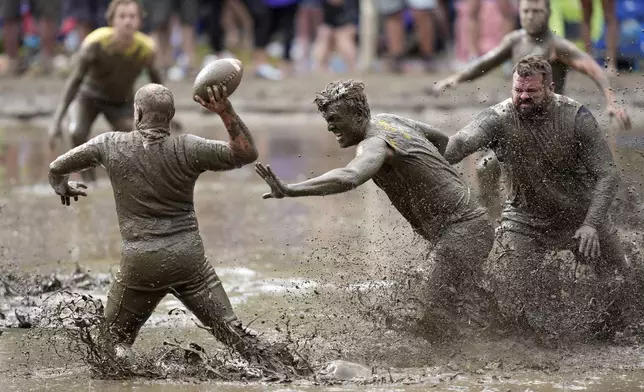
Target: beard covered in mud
562, 181
153, 175
404, 158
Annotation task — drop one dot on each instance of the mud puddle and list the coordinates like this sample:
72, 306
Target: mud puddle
298, 260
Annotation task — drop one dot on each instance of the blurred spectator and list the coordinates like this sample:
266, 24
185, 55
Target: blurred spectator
338, 30
309, 17
88, 14
487, 10
421, 11
223, 23
160, 13
237, 24
47, 13
612, 30
270, 17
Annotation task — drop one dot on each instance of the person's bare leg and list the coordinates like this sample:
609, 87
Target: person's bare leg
612, 33
345, 43
322, 48
473, 28
11, 42
162, 38
243, 16
587, 11
424, 26
395, 35
509, 15
188, 44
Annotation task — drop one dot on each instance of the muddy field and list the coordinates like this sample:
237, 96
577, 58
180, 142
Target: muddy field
294, 266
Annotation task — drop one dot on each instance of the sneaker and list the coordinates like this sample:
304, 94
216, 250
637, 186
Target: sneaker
267, 71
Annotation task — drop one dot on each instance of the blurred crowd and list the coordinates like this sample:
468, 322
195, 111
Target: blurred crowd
286, 37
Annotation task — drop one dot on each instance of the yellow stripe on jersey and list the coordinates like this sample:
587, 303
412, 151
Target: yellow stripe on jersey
142, 46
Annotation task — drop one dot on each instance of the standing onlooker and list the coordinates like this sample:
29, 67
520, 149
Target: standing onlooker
270, 17
612, 30
338, 31
160, 13
88, 14
309, 17
477, 13
47, 13
421, 11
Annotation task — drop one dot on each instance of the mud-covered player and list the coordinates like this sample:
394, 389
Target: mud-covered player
108, 64
535, 38
153, 175
562, 180
404, 158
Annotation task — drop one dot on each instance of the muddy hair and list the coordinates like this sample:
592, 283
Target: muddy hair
111, 9
532, 65
352, 95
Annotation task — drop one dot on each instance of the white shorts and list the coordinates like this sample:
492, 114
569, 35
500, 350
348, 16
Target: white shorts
389, 7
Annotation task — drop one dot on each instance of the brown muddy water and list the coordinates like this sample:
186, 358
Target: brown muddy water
288, 263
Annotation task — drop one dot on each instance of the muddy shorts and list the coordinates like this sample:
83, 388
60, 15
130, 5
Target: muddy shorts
390, 7
161, 11
49, 9
84, 110
148, 273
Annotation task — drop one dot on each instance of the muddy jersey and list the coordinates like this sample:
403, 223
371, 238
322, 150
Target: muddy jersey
559, 168
153, 180
110, 74
421, 184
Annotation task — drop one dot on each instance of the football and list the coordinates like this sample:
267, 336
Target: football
227, 72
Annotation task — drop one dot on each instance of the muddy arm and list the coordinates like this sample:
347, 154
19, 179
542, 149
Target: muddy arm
490, 60
370, 156
573, 57
217, 155
153, 72
477, 135
73, 82
436, 137
598, 159
83, 157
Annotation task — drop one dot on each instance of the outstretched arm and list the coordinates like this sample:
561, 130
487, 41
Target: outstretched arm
482, 65
83, 157
477, 135
575, 58
370, 156
70, 90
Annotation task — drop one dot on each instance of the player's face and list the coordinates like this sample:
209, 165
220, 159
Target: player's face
529, 94
342, 123
534, 16
126, 20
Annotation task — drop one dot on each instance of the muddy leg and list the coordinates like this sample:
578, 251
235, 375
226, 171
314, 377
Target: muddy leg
454, 292
126, 311
82, 114
488, 172
515, 278
614, 275
207, 299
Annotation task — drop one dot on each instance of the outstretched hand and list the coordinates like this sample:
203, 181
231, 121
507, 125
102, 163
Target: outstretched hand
278, 188
620, 115
217, 99
73, 189
442, 85
588, 241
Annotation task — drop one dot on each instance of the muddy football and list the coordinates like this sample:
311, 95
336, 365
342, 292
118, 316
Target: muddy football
223, 72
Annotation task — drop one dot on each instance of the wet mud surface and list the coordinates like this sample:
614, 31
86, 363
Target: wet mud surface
316, 271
